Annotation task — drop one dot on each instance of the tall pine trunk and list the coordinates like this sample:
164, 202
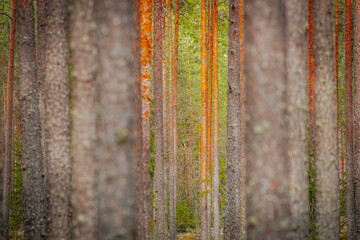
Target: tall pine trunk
32, 159
297, 73
8, 123
268, 166
84, 66
327, 178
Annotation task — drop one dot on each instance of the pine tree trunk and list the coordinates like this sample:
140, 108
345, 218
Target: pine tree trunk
356, 69
8, 123
32, 159
232, 222
327, 177
84, 65
160, 230
115, 128
297, 72
57, 124
268, 198
203, 204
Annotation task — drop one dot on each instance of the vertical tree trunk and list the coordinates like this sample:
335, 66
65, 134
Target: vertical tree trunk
160, 231
2, 134
216, 180
84, 66
232, 222
8, 123
243, 221
268, 198
57, 124
297, 72
203, 207
350, 220
115, 142
327, 178
143, 189
356, 69
33, 182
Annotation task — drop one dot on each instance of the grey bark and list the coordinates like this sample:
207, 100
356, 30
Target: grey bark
115, 131
327, 176
84, 66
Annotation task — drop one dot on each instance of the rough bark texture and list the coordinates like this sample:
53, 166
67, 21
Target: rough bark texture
84, 66
297, 73
350, 200
160, 231
144, 206
215, 74
232, 227
57, 124
327, 177
202, 168
33, 182
268, 197
8, 124
356, 69
115, 143
2, 133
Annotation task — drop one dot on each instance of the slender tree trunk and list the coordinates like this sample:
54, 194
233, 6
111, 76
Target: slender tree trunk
33, 182
297, 72
2, 134
268, 166
350, 220
216, 181
115, 128
160, 231
57, 124
356, 69
8, 123
143, 205
327, 178
203, 207
84, 65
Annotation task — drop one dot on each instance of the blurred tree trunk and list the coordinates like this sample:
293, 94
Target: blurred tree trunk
297, 73
84, 66
57, 125
115, 127
8, 124
160, 230
32, 159
268, 166
232, 222
326, 165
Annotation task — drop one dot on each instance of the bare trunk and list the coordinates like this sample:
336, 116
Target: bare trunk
84, 66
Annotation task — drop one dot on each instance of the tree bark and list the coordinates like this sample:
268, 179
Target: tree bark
327, 178
115, 131
297, 72
160, 231
33, 182
84, 66
268, 166
8, 123
57, 124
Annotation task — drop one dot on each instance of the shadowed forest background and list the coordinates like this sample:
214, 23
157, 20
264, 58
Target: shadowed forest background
180, 119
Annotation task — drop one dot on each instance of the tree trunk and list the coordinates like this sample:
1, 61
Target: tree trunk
356, 69
115, 138
203, 205
160, 231
84, 65
268, 198
57, 124
232, 222
327, 178
297, 72
350, 204
8, 123
33, 182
